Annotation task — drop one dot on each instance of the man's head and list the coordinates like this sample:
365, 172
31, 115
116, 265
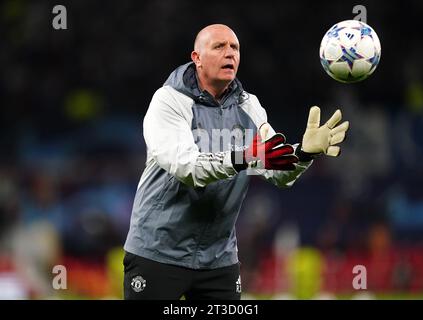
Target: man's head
216, 55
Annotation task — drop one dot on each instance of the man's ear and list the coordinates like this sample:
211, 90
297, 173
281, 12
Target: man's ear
195, 57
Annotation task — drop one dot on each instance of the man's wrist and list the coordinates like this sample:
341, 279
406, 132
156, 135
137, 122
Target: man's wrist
305, 156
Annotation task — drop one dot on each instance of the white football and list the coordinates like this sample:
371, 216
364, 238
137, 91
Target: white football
350, 51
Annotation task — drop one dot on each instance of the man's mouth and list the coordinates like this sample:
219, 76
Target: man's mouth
229, 66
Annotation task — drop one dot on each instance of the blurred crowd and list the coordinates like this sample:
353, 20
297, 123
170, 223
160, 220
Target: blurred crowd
72, 152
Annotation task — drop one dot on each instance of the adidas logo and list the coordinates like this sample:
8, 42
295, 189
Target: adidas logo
349, 35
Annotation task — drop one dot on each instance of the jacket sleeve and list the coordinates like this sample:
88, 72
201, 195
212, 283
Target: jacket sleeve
170, 142
283, 179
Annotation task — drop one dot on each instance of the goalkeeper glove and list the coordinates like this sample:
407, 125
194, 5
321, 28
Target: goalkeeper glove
273, 154
322, 139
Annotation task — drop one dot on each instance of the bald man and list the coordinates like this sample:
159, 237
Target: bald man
205, 137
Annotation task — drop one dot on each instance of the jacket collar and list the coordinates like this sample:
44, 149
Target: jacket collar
184, 79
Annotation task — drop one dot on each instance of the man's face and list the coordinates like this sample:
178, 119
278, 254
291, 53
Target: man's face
218, 55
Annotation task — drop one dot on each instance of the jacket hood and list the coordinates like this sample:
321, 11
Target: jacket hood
184, 80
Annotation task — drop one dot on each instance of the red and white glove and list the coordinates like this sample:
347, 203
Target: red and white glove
270, 154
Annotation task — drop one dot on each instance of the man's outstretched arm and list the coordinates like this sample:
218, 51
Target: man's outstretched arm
170, 142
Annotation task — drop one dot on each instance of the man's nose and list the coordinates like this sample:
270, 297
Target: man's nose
230, 52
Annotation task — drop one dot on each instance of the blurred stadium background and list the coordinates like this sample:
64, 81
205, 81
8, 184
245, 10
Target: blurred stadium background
72, 152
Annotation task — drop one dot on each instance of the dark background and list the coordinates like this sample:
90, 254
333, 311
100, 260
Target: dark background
72, 103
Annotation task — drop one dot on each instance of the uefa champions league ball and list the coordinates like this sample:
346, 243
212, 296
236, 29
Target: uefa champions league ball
350, 51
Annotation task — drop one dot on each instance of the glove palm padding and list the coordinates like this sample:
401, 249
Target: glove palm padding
324, 139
